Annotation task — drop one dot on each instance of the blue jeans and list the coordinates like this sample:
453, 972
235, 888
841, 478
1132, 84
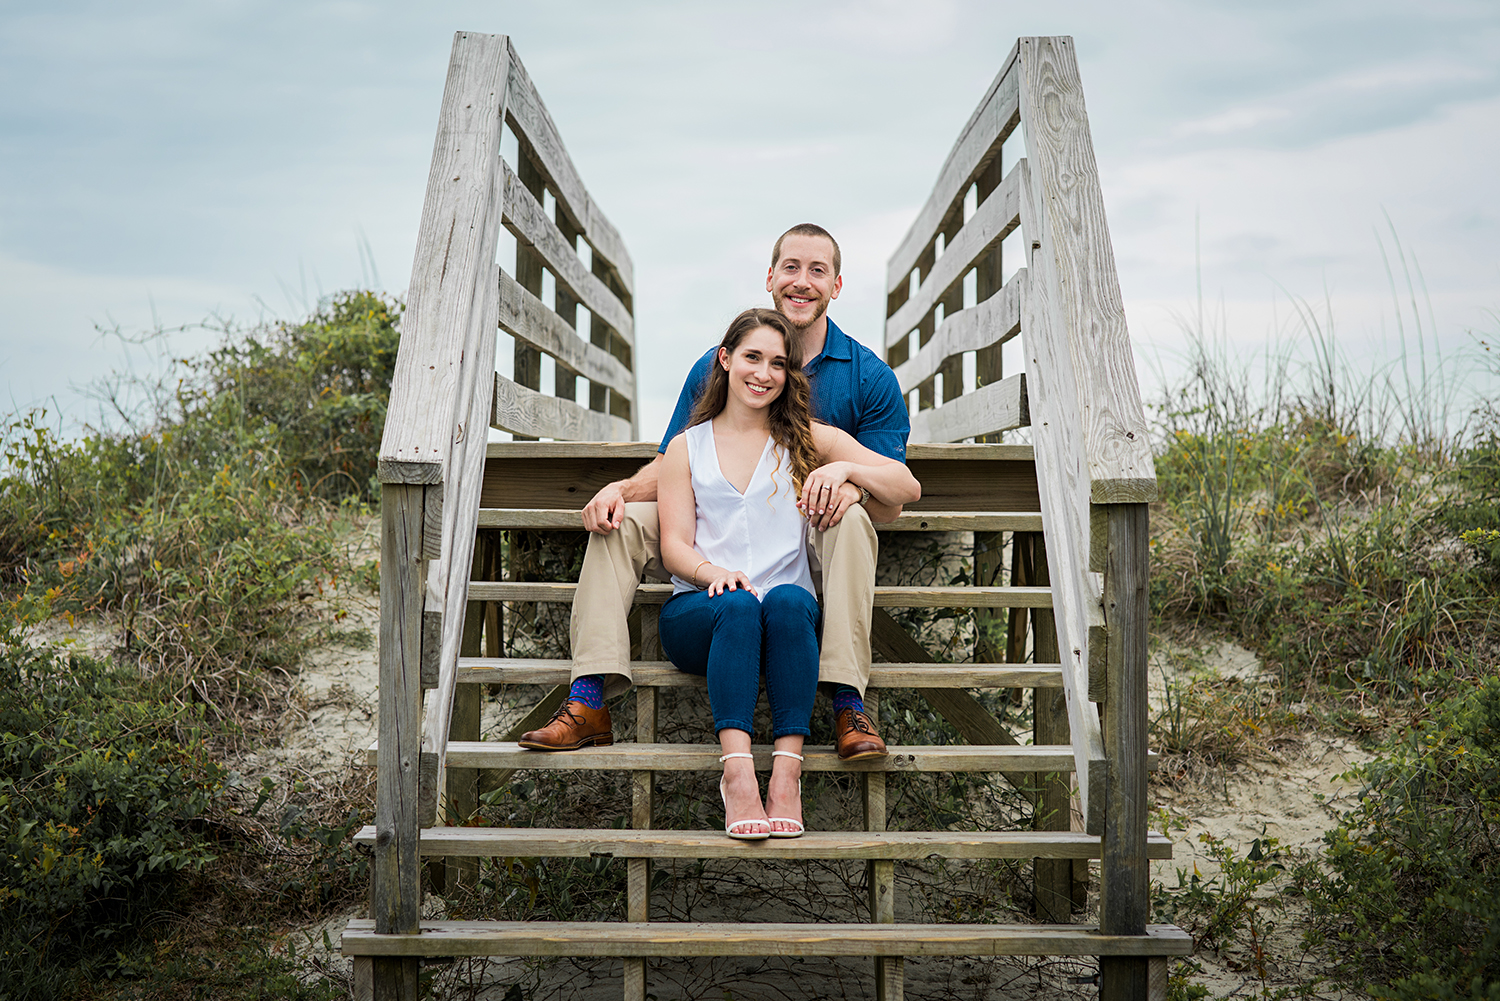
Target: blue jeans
732, 638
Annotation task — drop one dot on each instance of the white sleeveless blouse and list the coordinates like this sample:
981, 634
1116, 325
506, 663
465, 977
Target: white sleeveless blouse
759, 532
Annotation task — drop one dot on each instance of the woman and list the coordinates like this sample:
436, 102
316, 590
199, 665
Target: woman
732, 498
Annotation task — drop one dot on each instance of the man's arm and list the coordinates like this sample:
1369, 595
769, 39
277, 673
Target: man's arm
606, 511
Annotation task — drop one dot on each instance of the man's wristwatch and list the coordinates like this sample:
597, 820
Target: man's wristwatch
864, 495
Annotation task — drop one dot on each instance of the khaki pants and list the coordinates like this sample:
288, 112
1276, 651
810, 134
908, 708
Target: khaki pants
614, 563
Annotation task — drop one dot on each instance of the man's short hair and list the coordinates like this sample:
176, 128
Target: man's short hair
809, 229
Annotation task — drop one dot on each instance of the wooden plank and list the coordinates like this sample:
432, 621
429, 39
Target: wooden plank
639, 451
978, 143
463, 482
536, 842
644, 451
454, 261
885, 596
988, 478
1124, 893
555, 520
963, 484
529, 117
1000, 406
992, 222
1062, 484
693, 938
662, 674
525, 316
993, 321
701, 757
526, 218
1078, 262
525, 411
395, 885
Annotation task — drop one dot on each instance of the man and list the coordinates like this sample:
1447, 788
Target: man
851, 389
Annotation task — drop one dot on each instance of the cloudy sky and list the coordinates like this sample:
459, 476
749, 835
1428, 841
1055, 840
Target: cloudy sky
162, 162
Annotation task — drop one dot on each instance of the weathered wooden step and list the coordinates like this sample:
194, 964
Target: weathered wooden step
661, 674
885, 596
705, 757
677, 939
564, 520
530, 842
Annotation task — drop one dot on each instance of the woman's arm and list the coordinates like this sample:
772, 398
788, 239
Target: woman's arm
890, 483
676, 509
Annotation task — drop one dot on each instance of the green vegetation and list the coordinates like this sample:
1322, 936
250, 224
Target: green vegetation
207, 528
1342, 527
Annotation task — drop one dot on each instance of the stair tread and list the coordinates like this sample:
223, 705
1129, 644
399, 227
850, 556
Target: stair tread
571, 519
705, 757
661, 673
646, 450
531, 842
677, 939
886, 596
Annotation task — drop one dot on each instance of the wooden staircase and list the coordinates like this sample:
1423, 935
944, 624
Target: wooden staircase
1053, 517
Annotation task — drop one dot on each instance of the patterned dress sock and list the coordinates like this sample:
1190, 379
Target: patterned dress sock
847, 697
589, 690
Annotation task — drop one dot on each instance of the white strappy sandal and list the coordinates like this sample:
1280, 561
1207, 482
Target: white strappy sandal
731, 829
788, 820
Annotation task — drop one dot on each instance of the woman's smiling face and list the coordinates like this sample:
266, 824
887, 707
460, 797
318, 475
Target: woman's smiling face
757, 368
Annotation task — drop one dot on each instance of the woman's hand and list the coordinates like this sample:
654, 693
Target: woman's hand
720, 581
823, 501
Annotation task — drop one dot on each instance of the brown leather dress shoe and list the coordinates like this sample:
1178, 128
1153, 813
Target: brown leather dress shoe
856, 737
574, 725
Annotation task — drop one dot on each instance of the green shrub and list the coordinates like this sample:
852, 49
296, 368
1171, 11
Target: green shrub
1407, 898
104, 787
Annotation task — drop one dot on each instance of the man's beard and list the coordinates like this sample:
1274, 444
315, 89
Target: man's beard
800, 328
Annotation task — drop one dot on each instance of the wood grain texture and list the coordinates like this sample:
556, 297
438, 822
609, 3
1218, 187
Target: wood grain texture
529, 117
977, 145
996, 216
1078, 265
677, 939
661, 674
552, 520
525, 316
1000, 406
1124, 901
993, 321
525, 411
1063, 486
395, 888
705, 757
454, 263
644, 451
526, 218
535, 842
885, 596
957, 482
463, 483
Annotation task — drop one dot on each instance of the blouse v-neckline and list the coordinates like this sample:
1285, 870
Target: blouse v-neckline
719, 466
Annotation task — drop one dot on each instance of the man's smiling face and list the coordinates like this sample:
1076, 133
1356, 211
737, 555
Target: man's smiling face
802, 283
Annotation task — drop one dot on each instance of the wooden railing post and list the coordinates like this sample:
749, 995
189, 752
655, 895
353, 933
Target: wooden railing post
395, 883
1124, 902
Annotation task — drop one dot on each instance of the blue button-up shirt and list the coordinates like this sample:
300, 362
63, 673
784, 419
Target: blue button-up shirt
852, 389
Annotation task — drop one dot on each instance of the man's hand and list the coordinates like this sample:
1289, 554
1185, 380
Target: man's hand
606, 511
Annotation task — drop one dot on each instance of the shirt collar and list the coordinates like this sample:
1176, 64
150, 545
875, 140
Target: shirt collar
835, 345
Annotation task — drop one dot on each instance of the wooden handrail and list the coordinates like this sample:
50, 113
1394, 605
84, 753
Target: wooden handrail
447, 393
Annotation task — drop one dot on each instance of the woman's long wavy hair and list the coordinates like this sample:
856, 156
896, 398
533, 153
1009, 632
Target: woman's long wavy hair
790, 414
